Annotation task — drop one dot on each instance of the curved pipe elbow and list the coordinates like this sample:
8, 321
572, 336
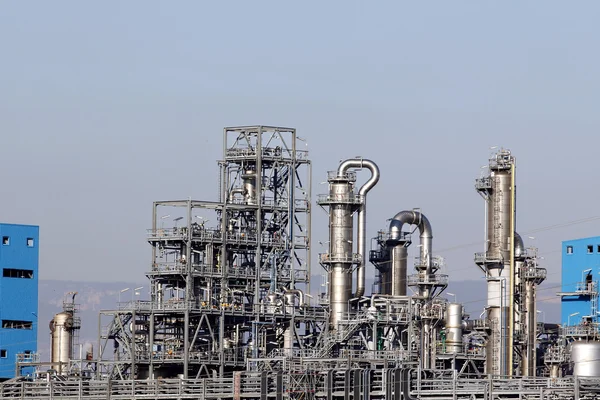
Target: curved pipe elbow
420, 220
361, 163
519, 246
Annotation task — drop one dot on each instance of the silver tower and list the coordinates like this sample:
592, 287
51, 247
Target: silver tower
343, 202
246, 254
498, 191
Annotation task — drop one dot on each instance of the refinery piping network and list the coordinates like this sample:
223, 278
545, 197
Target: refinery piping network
231, 314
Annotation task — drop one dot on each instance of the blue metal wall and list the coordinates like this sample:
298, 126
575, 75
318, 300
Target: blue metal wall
575, 266
19, 250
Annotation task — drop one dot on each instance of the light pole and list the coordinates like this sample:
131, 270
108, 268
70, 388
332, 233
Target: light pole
135, 292
569, 317
543, 315
121, 292
451, 294
176, 220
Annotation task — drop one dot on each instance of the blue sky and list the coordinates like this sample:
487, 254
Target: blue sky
108, 106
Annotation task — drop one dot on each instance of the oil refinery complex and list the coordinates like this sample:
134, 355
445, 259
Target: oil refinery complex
231, 314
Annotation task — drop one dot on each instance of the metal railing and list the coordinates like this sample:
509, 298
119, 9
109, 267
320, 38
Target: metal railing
351, 198
427, 279
263, 385
467, 349
28, 357
350, 175
590, 330
534, 273
482, 258
266, 152
327, 258
483, 183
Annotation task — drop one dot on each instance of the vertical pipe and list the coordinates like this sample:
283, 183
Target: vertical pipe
151, 346
188, 293
259, 227
511, 300
531, 323
133, 347
154, 210
309, 228
292, 208
426, 346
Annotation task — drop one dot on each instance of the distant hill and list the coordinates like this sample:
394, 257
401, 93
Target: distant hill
95, 296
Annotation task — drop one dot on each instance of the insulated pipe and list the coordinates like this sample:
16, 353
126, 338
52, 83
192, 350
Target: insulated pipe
362, 213
426, 238
426, 233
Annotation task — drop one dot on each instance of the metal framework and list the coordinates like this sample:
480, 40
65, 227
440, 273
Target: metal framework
227, 277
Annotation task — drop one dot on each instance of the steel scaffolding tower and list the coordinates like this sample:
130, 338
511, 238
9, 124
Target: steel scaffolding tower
228, 292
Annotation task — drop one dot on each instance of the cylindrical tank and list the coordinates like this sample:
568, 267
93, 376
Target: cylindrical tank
273, 302
398, 270
249, 178
454, 331
340, 248
586, 358
62, 339
289, 302
89, 351
529, 361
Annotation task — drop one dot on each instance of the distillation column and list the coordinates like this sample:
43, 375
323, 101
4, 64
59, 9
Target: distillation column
498, 190
339, 262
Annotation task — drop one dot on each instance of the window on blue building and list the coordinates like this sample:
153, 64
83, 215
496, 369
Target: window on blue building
569, 249
30, 242
17, 273
5, 240
590, 249
3, 353
14, 324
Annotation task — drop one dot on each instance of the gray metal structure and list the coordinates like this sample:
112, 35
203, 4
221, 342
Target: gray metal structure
231, 316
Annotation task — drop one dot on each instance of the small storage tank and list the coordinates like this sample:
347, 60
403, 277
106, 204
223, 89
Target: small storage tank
585, 357
62, 339
454, 331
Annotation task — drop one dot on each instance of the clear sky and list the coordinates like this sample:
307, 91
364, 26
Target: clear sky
108, 106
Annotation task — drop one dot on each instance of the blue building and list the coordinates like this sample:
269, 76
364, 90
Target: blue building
580, 275
19, 251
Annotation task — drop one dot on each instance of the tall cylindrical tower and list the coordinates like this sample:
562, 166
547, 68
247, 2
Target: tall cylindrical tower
343, 202
498, 190
340, 246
